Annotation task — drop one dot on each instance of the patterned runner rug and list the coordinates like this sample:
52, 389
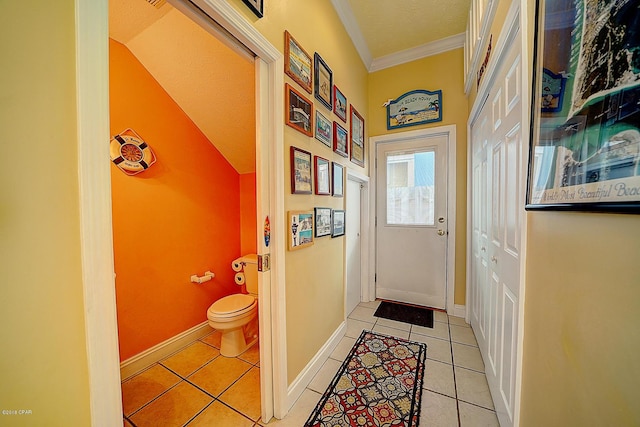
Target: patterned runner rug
379, 384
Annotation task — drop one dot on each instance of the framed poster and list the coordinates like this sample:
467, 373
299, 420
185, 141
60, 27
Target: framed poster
337, 179
356, 137
299, 229
297, 62
322, 218
322, 176
256, 7
300, 171
337, 223
339, 104
299, 111
414, 108
324, 130
585, 117
323, 81
340, 143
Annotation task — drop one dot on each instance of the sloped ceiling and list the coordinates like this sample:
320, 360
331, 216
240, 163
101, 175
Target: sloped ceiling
214, 85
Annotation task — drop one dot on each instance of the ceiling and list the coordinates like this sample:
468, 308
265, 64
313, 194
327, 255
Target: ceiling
181, 56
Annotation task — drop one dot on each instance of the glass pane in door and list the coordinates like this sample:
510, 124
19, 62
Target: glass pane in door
411, 188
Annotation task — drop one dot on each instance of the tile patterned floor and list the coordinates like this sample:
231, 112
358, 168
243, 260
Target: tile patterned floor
456, 392
196, 387
199, 387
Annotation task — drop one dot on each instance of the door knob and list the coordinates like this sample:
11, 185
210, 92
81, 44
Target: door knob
440, 232
494, 259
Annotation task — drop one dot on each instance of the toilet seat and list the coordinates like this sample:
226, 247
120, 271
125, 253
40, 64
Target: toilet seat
232, 306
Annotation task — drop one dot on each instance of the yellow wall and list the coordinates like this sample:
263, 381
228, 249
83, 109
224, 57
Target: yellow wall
445, 72
314, 275
43, 366
582, 309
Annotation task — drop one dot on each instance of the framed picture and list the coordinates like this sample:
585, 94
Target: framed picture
324, 133
322, 218
323, 81
337, 223
300, 171
256, 6
300, 229
337, 179
413, 108
356, 137
585, 116
322, 176
299, 111
339, 104
297, 62
340, 140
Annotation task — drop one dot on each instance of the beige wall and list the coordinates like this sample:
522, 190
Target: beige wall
444, 72
314, 275
43, 366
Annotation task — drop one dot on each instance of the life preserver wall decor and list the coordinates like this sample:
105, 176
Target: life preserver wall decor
130, 152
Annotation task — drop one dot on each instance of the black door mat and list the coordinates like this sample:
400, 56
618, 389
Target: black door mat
405, 313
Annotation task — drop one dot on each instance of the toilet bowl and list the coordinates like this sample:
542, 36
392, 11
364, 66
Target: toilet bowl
231, 314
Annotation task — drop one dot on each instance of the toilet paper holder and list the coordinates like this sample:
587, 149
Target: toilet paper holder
201, 279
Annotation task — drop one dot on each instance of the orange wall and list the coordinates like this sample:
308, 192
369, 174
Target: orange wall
178, 218
248, 209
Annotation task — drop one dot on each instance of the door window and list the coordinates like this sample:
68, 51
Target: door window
411, 188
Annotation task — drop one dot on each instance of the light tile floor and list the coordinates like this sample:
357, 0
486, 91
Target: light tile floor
456, 392
199, 387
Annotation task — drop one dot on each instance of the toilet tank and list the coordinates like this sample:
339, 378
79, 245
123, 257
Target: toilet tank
251, 273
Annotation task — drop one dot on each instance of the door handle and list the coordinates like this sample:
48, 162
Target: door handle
440, 232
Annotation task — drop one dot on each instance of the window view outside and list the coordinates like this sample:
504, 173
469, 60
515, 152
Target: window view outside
411, 188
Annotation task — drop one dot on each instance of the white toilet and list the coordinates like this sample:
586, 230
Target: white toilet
232, 313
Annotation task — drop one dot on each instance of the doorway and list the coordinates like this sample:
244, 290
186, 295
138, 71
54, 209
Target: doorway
94, 172
357, 240
414, 176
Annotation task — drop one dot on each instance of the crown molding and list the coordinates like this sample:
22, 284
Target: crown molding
351, 25
419, 52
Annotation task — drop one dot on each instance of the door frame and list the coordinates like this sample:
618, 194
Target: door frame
450, 132
94, 179
365, 249
515, 24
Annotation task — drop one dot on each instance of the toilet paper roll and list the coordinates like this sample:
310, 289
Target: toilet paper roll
240, 279
236, 265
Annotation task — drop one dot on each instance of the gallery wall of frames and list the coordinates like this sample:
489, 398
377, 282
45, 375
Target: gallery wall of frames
333, 122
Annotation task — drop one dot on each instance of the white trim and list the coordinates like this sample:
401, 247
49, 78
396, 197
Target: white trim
365, 247
351, 26
450, 131
306, 375
95, 198
418, 52
140, 361
460, 311
94, 179
515, 23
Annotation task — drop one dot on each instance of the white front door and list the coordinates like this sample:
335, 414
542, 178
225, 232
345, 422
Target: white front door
497, 214
354, 252
411, 220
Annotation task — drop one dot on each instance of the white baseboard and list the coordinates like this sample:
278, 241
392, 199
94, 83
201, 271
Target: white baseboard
460, 311
140, 361
304, 378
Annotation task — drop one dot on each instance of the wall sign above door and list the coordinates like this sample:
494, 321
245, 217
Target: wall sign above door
417, 107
